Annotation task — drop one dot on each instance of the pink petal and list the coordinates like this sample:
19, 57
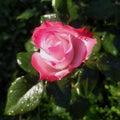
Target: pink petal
89, 42
37, 35
80, 52
46, 72
56, 63
63, 73
57, 51
49, 23
84, 32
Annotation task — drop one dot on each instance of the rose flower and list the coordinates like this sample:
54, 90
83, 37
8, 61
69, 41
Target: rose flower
62, 49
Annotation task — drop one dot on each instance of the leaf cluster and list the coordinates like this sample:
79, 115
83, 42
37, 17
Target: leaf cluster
91, 91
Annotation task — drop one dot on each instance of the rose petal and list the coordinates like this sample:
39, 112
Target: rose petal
89, 42
80, 52
58, 64
46, 72
57, 51
62, 73
37, 35
63, 48
49, 23
84, 32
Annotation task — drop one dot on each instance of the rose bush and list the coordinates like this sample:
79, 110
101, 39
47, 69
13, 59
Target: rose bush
62, 49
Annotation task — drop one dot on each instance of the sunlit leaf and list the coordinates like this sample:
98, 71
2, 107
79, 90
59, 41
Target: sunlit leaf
87, 80
24, 61
21, 98
67, 10
108, 44
29, 46
73, 10
97, 47
60, 8
45, 17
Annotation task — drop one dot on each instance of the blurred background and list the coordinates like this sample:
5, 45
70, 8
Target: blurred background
18, 18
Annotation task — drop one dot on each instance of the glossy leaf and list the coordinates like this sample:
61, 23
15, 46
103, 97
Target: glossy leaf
73, 10
67, 10
97, 47
22, 99
60, 8
56, 4
87, 80
52, 17
29, 46
108, 44
24, 61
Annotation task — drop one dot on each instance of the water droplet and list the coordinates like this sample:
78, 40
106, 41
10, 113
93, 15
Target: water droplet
9, 113
12, 111
28, 105
19, 62
11, 91
78, 91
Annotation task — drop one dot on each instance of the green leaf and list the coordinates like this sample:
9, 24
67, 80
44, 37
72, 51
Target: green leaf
73, 10
87, 80
95, 52
60, 91
57, 4
115, 90
29, 46
97, 47
108, 44
24, 61
67, 10
21, 99
52, 17
26, 14
61, 10
58, 111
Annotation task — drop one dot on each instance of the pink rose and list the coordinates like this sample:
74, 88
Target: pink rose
62, 49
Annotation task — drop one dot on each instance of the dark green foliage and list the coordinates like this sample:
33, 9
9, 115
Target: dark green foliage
24, 61
90, 92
